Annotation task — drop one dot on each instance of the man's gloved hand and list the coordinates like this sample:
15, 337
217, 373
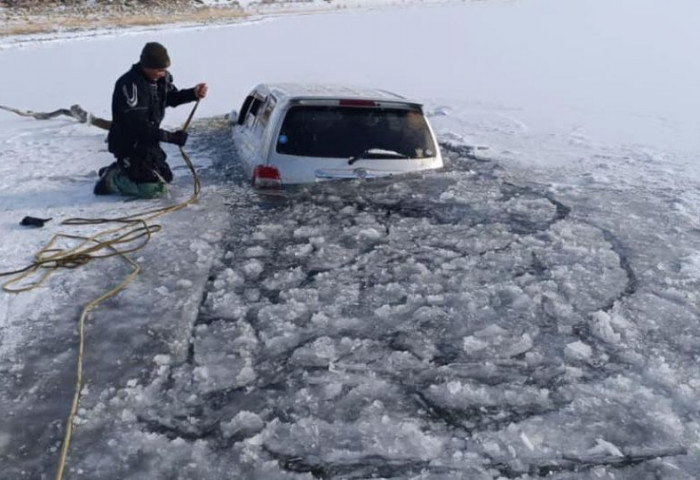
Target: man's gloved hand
178, 137
200, 90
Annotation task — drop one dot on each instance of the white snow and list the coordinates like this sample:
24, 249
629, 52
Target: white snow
534, 302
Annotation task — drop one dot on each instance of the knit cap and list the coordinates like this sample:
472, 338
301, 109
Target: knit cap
154, 55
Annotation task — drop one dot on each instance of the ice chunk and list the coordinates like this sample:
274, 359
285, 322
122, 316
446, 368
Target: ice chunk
246, 375
523, 345
228, 279
605, 448
306, 232
602, 328
301, 250
162, 359
471, 344
223, 352
184, 284
243, 424
369, 234
212, 236
252, 269
128, 416
578, 351
527, 442
283, 280
319, 353
492, 330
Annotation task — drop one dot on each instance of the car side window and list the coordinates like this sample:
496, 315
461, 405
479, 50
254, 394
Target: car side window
253, 112
267, 110
244, 109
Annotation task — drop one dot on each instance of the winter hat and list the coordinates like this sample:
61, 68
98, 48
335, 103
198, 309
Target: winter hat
154, 55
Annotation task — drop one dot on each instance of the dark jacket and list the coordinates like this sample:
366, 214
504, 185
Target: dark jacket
138, 108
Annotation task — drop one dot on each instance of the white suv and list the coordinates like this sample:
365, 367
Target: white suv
292, 133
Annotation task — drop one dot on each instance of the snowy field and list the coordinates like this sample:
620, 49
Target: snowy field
531, 310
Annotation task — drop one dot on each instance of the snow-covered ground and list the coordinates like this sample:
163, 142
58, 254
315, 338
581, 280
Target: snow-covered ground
530, 310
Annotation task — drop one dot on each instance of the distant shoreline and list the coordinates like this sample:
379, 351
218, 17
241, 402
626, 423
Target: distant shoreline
83, 18
39, 20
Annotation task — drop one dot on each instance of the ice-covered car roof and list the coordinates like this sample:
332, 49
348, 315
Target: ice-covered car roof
297, 91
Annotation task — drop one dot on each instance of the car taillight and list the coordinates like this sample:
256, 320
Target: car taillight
265, 176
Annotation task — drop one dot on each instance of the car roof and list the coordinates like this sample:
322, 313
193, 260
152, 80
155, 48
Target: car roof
297, 91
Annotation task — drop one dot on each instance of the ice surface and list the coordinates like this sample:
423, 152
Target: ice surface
529, 307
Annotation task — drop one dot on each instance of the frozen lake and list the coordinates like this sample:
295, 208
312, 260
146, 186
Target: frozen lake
530, 310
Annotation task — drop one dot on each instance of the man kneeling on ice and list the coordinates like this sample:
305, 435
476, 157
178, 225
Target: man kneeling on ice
138, 107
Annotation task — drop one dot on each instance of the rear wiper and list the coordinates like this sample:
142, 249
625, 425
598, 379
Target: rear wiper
375, 153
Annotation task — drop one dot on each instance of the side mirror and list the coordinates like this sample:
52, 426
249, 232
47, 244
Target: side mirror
233, 117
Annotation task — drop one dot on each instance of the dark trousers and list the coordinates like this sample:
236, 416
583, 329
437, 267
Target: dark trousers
147, 165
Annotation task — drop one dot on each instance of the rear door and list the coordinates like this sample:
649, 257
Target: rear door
352, 138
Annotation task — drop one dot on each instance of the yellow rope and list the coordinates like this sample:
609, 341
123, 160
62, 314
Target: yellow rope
49, 259
79, 376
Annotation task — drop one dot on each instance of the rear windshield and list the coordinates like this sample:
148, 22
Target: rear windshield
345, 132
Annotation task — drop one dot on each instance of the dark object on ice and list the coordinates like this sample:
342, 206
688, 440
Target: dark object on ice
75, 111
33, 221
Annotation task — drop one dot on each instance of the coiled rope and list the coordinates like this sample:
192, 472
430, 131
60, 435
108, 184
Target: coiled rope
133, 233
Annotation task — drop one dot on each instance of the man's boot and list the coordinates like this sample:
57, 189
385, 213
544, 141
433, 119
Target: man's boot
104, 185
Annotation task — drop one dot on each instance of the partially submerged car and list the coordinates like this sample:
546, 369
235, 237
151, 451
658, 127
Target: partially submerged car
293, 133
